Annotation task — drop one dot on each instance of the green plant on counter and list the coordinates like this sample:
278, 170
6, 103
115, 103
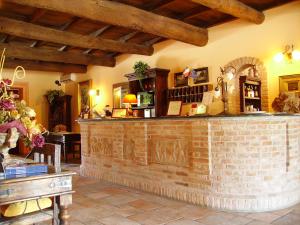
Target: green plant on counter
53, 94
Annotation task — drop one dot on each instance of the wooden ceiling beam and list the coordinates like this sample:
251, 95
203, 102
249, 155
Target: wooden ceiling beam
32, 31
127, 16
62, 28
45, 66
234, 8
36, 15
21, 52
92, 34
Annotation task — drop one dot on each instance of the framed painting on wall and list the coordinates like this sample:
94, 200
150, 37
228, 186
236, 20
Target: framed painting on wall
84, 101
180, 80
202, 75
289, 83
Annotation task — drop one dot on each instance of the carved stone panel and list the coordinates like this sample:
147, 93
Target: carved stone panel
128, 149
101, 146
170, 152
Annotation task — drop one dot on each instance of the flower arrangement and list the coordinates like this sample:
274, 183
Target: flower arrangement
16, 114
286, 102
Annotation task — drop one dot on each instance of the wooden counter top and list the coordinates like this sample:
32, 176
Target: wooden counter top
187, 117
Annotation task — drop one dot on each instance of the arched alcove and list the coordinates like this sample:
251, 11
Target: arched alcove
241, 65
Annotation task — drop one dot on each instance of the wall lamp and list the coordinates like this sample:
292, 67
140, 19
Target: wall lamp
289, 54
227, 74
93, 92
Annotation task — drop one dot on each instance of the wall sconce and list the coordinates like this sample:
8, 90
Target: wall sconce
227, 74
93, 92
289, 53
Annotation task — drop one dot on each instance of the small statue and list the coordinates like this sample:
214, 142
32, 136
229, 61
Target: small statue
84, 114
107, 111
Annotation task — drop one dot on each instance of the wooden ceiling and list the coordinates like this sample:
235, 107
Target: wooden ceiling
68, 35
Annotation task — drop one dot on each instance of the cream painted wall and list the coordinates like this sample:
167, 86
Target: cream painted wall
38, 83
226, 43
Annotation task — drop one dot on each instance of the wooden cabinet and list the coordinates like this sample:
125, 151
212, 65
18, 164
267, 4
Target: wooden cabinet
60, 112
250, 94
155, 81
188, 94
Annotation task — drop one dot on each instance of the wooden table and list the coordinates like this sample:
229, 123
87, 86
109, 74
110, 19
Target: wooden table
65, 139
51, 184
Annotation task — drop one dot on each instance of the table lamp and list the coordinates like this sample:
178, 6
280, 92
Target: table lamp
129, 100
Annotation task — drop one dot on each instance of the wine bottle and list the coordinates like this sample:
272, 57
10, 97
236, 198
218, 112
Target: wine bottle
255, 92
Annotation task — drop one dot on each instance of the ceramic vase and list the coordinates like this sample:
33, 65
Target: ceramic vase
8, 141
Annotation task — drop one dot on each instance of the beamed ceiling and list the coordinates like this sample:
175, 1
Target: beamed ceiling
68, 35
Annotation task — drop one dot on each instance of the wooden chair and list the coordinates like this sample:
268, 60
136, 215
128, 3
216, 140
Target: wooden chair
49, 153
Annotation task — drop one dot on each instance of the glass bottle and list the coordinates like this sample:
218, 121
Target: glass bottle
251, 92
248, 91
255, 91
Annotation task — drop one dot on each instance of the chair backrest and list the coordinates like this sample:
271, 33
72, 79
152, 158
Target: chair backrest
59, 128
49, 153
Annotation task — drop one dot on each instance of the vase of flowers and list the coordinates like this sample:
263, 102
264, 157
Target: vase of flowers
17, 120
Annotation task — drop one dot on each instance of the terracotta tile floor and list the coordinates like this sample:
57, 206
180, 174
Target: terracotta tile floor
97, 202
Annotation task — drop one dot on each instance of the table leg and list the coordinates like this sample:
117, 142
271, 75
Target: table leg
63, 146
64, 202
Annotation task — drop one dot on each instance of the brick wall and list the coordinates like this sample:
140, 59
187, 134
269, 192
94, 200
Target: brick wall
241, 64
234, 163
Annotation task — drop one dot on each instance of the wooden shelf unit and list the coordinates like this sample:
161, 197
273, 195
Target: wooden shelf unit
245, 99
188, 94
60, 112
155, 81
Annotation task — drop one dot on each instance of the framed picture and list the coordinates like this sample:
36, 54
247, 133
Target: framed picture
119, 112
174, 108
84, 102
202, 75
119, 91
289, 83
180, 80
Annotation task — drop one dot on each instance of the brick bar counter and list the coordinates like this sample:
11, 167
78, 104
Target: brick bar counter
240, 163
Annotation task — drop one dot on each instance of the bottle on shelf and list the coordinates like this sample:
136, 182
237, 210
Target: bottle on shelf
251, 92
255, 92
248, 91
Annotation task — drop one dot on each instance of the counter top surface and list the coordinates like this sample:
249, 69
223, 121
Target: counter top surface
247, 115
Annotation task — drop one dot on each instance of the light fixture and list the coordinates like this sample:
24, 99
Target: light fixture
289, 53
129, 100
227, 74
92, 92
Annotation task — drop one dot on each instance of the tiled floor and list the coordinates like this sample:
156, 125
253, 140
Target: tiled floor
97, 203
102, 203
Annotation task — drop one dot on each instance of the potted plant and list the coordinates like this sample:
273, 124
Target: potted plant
54, 94
140, 69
